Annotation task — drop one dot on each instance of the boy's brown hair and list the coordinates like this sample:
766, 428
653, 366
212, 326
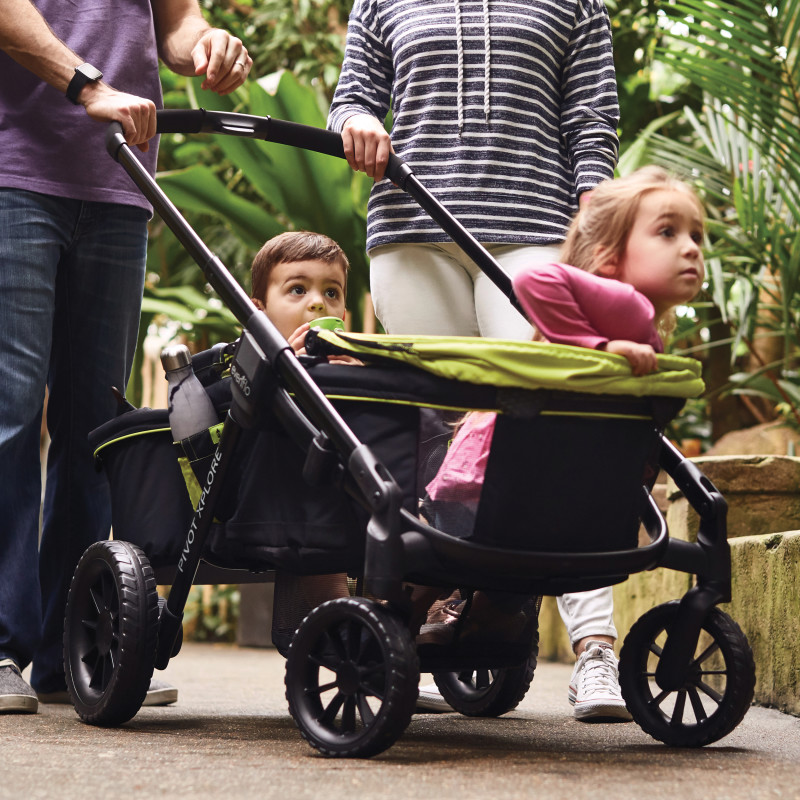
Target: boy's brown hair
289, 247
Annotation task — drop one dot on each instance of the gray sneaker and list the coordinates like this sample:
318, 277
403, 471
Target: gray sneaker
16, 696
159, 693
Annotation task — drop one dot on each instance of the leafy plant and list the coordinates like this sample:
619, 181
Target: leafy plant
745, 58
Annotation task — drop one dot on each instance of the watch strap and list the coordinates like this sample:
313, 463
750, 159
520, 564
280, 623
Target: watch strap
85, 73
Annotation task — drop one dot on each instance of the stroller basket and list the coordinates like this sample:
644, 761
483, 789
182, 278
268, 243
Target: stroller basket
392, 404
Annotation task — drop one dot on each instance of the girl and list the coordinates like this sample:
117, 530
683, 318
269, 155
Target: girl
635, 253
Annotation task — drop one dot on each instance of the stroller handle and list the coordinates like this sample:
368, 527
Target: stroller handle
319, 140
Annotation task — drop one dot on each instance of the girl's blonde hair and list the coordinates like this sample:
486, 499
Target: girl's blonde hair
605, 221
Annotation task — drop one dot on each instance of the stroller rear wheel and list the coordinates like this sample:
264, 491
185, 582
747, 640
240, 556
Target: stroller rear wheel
351, 678
487, 692
110, 632
718, 687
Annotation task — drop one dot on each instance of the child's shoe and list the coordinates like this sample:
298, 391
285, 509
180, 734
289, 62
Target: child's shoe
594, 686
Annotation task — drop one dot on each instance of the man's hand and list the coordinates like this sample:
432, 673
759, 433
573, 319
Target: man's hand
137, 115
366, 145
223, 59
641, 357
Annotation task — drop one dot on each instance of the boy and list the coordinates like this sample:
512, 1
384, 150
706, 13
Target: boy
299, 276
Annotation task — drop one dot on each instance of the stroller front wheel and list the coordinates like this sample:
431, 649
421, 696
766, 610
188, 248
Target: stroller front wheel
717, 690
110, 632
351, 678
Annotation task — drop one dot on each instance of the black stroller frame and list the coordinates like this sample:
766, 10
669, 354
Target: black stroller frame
373, 657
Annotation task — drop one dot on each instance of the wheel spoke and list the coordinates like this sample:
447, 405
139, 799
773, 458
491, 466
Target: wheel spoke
368, 687
90, 625
320, 689
329, 715
697, 705
364, 710
482, 679
655, 649
706, 654
712, 693
677, 711
349, 715
658, 699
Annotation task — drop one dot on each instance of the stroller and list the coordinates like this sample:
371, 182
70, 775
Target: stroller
320, 468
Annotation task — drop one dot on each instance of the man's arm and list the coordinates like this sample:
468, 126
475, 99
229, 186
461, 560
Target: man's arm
28, 39
189, 46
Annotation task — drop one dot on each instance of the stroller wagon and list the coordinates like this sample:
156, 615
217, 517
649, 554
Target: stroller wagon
320, 468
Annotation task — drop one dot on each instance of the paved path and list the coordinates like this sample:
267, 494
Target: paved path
230, 736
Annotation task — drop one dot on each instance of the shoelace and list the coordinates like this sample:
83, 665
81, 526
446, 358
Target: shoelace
599, 670
7, 662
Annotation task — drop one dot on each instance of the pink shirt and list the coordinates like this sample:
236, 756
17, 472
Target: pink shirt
568, 306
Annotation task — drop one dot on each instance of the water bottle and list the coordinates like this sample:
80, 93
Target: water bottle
190, 408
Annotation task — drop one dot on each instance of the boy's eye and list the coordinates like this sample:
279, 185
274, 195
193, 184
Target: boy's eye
667, 232
297, 290
697, 237
333, 294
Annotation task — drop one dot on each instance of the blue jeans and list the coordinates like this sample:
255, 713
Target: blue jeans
71, 280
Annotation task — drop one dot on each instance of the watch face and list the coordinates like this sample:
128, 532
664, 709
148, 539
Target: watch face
91, 73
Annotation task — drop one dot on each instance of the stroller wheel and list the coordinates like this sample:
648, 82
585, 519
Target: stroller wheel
487, 692
110, 632
718, 687
351, 678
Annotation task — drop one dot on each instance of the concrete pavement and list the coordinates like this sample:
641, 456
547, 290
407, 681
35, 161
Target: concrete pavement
230, 736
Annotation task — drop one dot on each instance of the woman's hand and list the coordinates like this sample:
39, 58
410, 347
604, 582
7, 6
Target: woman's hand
641, 357
366, 145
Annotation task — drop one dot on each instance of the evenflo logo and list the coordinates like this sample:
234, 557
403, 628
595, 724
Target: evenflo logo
240, 379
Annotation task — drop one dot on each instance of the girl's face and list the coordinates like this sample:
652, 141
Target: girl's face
662, 257
300, 291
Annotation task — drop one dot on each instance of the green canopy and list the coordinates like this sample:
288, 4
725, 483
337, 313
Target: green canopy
522, 365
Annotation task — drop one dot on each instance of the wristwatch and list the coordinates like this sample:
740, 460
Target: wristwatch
84, 74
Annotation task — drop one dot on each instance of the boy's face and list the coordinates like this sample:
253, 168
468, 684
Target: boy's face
299, 291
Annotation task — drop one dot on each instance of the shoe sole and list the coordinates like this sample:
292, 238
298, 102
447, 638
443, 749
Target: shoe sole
436, 704
599, 712
157, 697
18, 704
161, 697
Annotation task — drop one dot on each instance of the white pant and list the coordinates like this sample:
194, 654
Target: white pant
436, 289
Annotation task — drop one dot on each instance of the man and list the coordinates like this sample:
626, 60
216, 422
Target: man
73, 242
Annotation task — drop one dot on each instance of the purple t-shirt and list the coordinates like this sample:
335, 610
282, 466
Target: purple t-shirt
51, 146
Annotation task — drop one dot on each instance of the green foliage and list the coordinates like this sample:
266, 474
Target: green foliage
305, 37
743, 152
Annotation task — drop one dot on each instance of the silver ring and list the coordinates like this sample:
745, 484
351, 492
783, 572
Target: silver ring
241, 64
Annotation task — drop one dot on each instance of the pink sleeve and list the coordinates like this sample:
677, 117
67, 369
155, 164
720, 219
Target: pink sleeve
571, 306
460, 478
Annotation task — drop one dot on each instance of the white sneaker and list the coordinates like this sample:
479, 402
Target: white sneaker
430, 699
594, 686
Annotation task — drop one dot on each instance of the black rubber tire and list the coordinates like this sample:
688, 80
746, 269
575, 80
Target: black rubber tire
110, 632
719, 685
363, 658
485, 692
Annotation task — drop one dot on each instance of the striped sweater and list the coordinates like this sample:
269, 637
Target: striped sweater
506, 110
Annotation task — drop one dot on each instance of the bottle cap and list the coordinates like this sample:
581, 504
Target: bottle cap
175, 356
